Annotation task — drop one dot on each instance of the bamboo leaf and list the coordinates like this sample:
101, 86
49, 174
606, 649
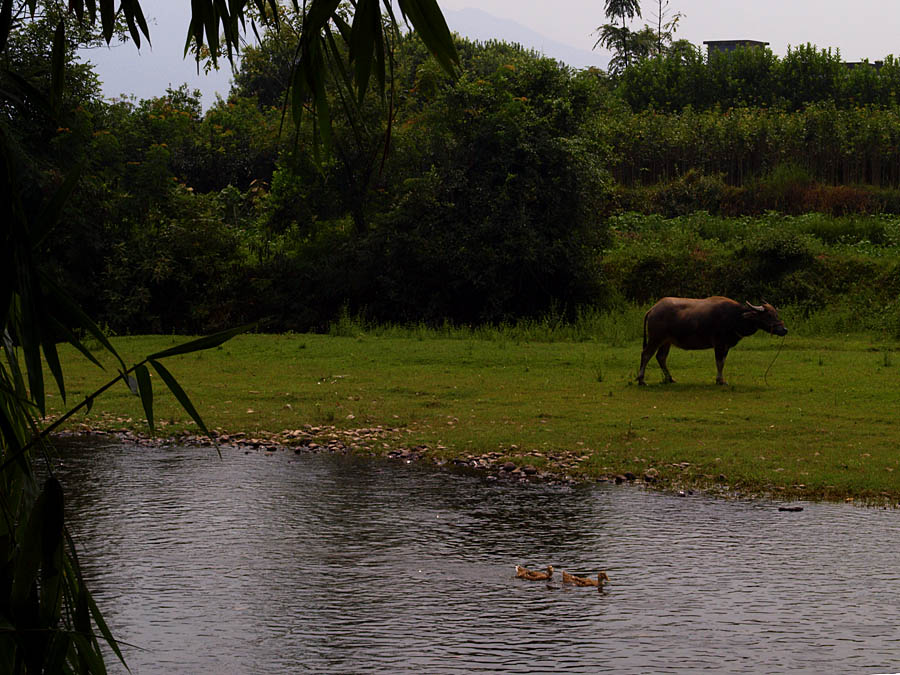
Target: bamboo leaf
91, 658
15, 372
35, 375
58, 65
5, 22
195, 29
132, 28
77, 7
67, 311
320, 12
191, 37
69, 337
146, 391
310, 72
429, 22
298, 93
101, 622
202, 343
43, 532
343, 27
380, 64
132, 383
363, 35
51, 356
51, 552
210, 17
81, 615
28, 562
108, 18
319, 96
56, 654
27, 329
10, 432
139, 18
337, 59
179, 393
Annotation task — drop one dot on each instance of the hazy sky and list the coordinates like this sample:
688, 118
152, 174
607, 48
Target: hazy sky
861, 29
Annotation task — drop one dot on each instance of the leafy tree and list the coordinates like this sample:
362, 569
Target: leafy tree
619, 38
173, 275
27, 74
496, 213
487, 208
630, 47
807, 74
754, 76
666, 25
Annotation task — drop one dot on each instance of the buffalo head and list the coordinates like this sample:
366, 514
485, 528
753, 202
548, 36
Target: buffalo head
765, 317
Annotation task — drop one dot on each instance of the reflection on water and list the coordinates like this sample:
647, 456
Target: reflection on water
316, 563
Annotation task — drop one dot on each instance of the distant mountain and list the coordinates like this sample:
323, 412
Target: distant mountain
477, 24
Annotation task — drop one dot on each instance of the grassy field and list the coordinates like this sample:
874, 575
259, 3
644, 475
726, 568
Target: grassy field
821, 424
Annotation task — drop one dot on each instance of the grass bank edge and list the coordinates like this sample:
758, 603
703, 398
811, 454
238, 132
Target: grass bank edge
566, 407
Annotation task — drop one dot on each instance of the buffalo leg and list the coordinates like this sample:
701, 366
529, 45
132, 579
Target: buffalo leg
721, 353
648, 352
661, 357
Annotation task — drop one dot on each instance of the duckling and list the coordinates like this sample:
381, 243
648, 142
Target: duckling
585, 581
531, 575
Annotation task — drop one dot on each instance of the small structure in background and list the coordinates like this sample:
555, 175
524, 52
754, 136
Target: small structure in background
730, 45
859, 64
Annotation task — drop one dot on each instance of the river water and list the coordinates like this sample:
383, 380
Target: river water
281, 563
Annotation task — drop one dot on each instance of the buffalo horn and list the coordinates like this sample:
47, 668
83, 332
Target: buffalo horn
758, 308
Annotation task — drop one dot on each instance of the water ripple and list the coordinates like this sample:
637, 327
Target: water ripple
262, 563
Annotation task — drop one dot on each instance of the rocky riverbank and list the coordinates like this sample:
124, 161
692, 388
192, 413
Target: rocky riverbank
562, 468
559, 468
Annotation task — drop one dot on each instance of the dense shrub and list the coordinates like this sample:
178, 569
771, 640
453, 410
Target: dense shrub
690, 192
778, 262
788, 190
755, 77
827, 144
511, 236
173, 276
808, 262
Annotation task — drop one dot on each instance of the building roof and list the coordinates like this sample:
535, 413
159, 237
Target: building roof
741, 43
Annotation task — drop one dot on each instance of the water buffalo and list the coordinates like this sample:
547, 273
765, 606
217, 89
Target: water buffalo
692, 323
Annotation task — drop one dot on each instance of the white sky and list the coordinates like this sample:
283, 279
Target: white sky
861, 29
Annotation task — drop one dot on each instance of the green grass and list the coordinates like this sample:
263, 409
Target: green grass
823, 425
